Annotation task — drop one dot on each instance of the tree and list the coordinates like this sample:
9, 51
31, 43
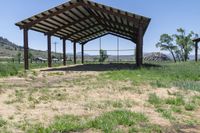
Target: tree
103, 55
185, 43
19, 57
166, 43
30, 56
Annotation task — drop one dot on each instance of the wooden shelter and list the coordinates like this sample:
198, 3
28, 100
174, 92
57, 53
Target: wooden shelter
197, 40
81, 21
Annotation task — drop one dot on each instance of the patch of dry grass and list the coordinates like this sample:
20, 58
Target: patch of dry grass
40, 96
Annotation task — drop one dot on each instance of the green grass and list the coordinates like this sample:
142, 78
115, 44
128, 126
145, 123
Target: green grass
2, 122
177, 101
190, 106
108, 122
166, 113
182, 75
154, 99
12, 69
9, 69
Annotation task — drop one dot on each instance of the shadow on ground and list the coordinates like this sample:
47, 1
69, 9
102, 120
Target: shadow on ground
101, 67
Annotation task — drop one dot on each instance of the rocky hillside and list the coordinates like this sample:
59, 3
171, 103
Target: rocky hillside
156, 56
8, 49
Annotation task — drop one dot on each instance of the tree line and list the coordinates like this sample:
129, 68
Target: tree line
180, 45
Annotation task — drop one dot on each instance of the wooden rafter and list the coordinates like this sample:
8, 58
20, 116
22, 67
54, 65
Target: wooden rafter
29, 25
98, 31
77, 19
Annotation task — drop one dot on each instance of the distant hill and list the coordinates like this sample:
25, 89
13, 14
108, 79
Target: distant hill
9, 49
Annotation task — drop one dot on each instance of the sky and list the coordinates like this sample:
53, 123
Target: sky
166, 16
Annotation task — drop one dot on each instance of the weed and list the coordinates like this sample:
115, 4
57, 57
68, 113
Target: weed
190, 106
176, 109
110, 120
2, 122
107, 122
154, 99
150, 128
166, 113
178, 101
192, 122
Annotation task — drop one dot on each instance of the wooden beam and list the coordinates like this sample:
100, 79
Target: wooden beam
67, 25
111, 30
82, 30
111, 12
196, 51
89, 35
49, 50
93, 38
64, 52
82, 53
124, 37
50, 15
74, 52
80, 26
139, 48
26, 50
122, 34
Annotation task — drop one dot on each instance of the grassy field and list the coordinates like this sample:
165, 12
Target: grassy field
156, 98
182, 75
12, 69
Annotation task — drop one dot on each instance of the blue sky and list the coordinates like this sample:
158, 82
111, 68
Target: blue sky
166, 15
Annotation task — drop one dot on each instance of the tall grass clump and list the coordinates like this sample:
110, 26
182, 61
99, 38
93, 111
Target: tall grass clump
9, 69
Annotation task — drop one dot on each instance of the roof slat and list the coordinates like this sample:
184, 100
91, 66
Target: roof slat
83, 20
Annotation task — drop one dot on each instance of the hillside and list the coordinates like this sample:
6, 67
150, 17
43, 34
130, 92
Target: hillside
9, 49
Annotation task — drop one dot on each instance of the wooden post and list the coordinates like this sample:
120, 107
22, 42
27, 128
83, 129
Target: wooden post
64, 52
74, 52
82, 53
139, 48
26, 50
196, 51
49, 50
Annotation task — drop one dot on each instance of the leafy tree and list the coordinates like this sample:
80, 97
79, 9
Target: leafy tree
166, 43
185, 43
19, 57
103, 55
30, 56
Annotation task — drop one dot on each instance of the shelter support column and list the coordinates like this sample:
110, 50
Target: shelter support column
74, 52
196, 51
49, 50
64, 52
26, 50
139, 48
82, 53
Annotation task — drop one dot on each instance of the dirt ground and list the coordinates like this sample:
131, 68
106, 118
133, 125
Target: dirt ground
39, 96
